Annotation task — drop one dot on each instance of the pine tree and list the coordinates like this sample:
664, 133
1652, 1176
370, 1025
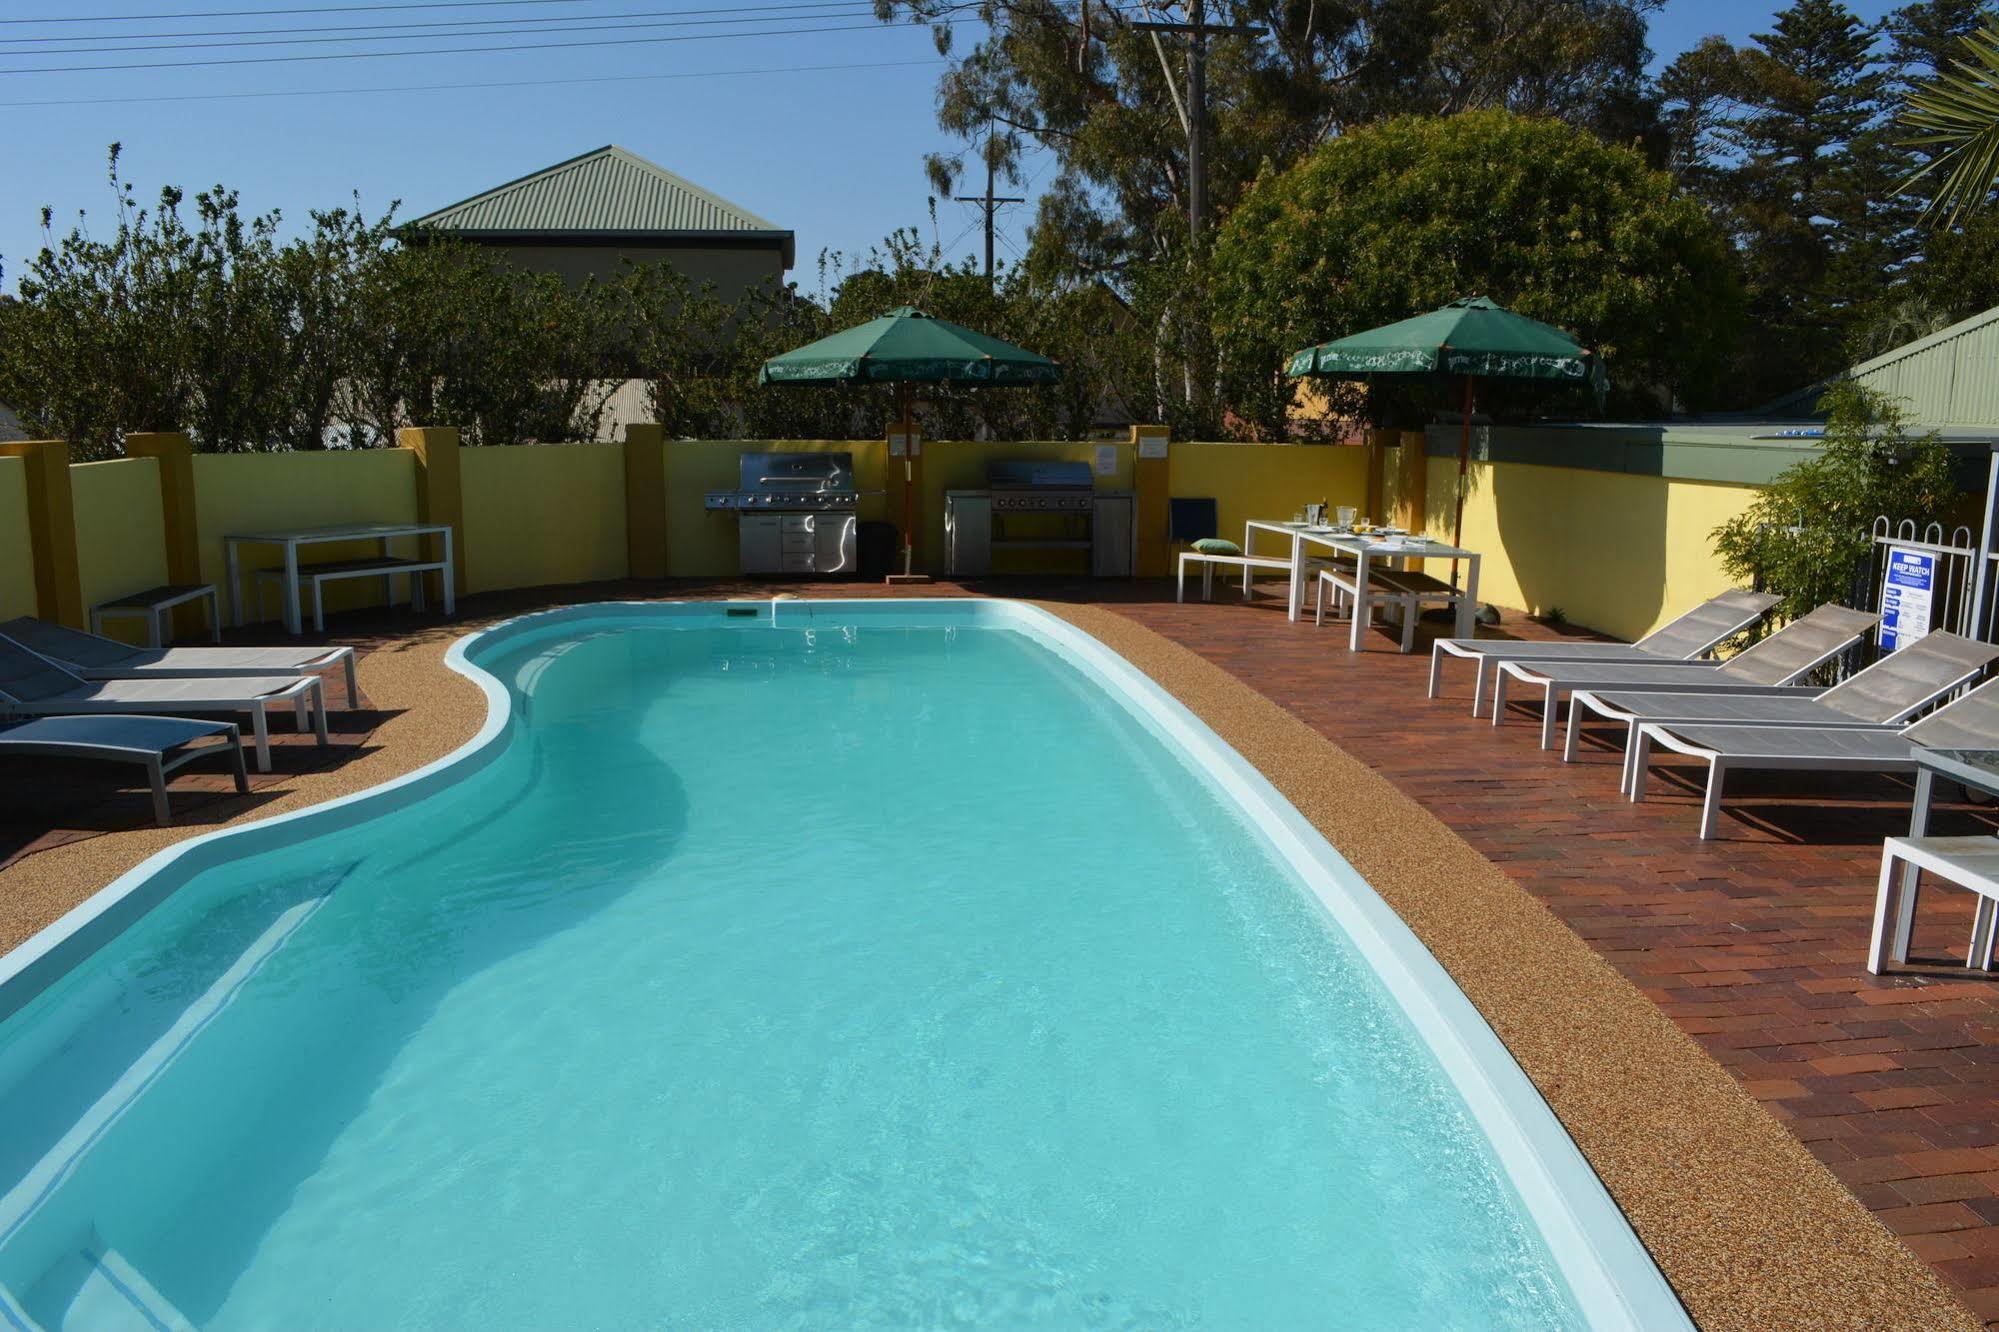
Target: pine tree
1809, 89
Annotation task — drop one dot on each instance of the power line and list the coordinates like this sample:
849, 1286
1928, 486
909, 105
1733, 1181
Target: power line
848, 10
436, 51
463, 87
259, 13
371, 28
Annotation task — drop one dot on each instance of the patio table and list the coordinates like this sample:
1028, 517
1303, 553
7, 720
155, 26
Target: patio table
291, 541
1365, 550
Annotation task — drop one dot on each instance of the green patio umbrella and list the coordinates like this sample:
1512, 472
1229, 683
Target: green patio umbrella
1473, 338
906, 347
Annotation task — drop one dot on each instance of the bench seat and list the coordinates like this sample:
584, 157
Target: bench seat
153, 604
1405, 589
373, 566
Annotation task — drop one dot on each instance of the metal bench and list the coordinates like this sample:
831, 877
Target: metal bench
1249, 564
384, 567
154, 606
1972, 863
1402, 588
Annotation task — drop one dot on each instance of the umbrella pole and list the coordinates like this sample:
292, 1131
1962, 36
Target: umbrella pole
1464, 456
902, 393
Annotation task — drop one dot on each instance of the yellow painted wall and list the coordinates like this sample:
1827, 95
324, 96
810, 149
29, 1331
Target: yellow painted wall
239, 493
121, 539
1614, 552
1271, 481
703, 545
17, 569
543, 514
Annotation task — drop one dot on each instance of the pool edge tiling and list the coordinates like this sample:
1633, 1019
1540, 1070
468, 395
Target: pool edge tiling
1752, 1231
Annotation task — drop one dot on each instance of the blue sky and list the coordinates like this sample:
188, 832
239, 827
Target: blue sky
833, 153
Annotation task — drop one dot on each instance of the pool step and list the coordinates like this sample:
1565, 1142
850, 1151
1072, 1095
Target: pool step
110, 1295
96, 1290
13, 1317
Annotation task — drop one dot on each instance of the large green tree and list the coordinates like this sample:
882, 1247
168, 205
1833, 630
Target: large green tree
1547, 219
1105, 97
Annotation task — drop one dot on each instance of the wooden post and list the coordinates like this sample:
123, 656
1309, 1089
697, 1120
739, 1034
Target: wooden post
1413, 482
439, 497
174, 452
645, 500
51, 529
1152, 486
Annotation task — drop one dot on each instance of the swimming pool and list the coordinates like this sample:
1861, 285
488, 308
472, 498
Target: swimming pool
782, 964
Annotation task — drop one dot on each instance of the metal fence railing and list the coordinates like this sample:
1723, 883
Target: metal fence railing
1954, 592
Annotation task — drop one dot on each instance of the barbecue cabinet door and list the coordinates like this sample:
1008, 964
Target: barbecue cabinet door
759, 543
833, 543
968, 534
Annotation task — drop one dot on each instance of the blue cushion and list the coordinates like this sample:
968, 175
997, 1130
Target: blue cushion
1217, 546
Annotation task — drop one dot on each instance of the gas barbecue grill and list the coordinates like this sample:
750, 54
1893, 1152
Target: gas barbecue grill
795, 512
1040, 486
1058, 508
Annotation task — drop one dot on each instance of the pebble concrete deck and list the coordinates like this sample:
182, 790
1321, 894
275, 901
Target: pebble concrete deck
1752, 943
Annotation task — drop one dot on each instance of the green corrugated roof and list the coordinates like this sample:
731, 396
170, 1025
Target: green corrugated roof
610, 192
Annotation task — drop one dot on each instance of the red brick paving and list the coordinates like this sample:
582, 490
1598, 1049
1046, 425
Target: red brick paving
1753, 943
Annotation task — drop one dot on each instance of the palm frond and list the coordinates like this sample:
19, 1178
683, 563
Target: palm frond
1955, 117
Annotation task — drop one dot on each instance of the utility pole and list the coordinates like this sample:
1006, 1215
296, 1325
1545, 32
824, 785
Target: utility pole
1198, 30
990, 203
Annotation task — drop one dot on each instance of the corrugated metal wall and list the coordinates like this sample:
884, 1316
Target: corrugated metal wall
1950, 379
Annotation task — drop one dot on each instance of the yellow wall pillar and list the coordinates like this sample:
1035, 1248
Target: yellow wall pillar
51, 529
439, 498
1412, 476
174, 452
1152, 487
1379, 442
645, 500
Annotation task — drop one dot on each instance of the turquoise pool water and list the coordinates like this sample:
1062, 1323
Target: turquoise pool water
833, 977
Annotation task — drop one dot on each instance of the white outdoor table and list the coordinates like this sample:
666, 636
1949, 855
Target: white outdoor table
1365, 550
292, 541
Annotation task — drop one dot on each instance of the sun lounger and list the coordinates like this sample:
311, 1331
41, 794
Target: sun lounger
1886, 694
1792, 652
1972, 722
33, 686
95, 657
1688, 638
161, 745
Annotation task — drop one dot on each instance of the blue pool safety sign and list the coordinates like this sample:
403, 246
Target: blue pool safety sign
1908, 590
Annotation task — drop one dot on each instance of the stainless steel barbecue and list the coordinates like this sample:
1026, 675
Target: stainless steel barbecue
1038, 505
795, 512
1040, 486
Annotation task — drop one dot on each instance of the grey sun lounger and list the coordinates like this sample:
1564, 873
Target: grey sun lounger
1886, 695
33, 686
161, 745
1686, 639
1793, 651
95, 657
1972, 722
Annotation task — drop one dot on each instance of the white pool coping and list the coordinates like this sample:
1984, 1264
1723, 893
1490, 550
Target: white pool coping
1611, 1276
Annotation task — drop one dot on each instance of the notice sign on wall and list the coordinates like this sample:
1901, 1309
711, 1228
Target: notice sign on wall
1908, 592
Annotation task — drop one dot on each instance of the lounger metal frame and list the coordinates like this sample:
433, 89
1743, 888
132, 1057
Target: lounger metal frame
158, 763
1486, 651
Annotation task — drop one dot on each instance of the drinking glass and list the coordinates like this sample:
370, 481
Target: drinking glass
1345, 513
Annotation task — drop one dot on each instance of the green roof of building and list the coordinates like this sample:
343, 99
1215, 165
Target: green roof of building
610, 194
1941, 381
